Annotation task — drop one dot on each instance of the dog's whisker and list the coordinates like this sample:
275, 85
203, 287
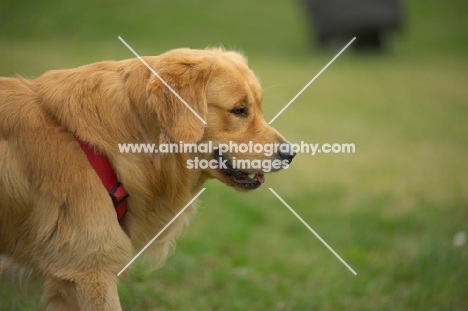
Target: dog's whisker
266, 88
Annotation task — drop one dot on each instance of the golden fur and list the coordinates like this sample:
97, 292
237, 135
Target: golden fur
56, 218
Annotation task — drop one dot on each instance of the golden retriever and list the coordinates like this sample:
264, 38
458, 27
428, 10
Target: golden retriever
56, 217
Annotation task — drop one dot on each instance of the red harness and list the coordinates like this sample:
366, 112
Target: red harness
106, 173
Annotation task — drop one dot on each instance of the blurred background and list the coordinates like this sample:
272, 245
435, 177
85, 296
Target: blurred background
396, 210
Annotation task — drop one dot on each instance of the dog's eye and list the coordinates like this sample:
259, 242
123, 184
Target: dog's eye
241, 111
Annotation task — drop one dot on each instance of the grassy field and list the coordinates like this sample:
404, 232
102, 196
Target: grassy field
391, 210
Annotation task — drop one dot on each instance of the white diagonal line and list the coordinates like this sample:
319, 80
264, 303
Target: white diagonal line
310, 82
162, 80
312, 230
162, 230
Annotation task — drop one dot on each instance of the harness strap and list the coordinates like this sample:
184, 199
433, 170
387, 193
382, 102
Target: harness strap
106, 173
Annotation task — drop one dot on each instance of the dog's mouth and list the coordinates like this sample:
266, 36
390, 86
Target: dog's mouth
237, 177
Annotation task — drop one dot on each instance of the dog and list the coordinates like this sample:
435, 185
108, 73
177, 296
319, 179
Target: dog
57, 218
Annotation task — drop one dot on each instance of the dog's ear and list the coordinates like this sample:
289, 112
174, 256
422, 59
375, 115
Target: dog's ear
188, 77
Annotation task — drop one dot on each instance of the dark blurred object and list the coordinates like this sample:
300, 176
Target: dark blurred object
372, 22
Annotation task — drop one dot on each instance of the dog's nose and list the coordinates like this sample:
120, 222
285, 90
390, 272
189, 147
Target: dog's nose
286, 152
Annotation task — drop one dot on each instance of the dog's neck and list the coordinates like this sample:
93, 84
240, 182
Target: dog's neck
131, 122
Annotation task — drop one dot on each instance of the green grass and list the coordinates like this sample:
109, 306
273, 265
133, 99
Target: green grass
391, 210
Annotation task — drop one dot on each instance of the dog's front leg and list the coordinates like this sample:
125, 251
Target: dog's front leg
97, 291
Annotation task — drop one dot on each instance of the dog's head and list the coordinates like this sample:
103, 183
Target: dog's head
222, 91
